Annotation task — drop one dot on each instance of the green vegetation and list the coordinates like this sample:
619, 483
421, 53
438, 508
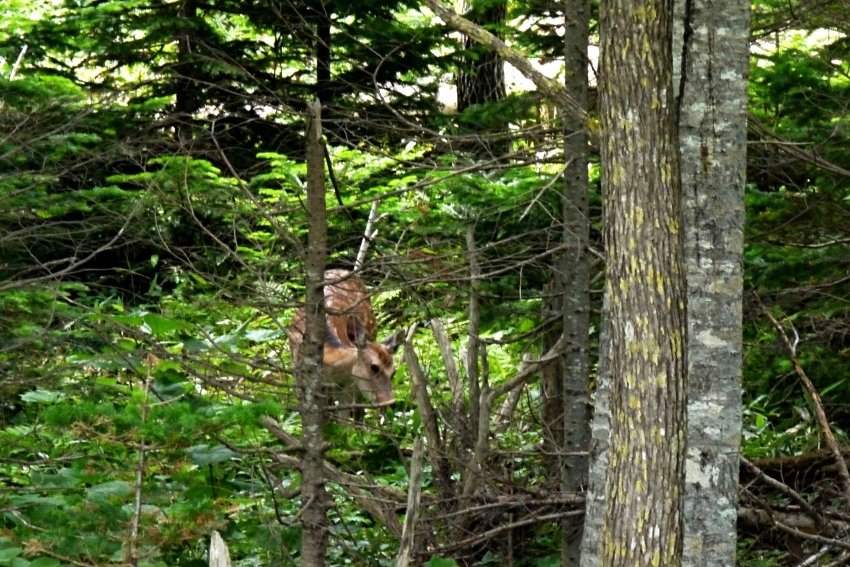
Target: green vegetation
152, 233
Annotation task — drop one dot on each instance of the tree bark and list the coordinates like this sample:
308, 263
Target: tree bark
575, 278
645, 286
186, 100
713, 45
550, 88
308, 372
481, 79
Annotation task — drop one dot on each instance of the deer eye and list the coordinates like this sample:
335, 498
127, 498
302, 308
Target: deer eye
375, 369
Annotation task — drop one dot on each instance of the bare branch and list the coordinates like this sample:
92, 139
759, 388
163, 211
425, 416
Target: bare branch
820, 413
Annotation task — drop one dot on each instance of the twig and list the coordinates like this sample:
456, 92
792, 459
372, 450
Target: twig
368, 235
477, 391
414, 491
18, 62
445, 347
478, 538
439, 462
818, 405
786, 490
132, 549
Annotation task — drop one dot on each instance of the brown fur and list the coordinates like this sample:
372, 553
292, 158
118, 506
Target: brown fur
352, 360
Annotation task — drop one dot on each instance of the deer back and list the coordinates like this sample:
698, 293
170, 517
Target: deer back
351, 358
348, 308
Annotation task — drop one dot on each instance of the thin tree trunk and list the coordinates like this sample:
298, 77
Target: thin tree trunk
186, 96
575, 271
713, 45
597, 476
323, 55
308, 371
645, 286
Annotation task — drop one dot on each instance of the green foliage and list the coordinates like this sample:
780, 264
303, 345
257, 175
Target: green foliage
152, 232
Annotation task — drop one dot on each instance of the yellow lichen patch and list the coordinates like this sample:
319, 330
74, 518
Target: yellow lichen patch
676, 343
672, 225
639, 216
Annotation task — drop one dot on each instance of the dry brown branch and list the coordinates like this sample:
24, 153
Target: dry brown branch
798, 525
784, 489
796, 151
480, 400
552, 89
406, 549
439, 462
442, 340
379, 501
829, 437
532, 519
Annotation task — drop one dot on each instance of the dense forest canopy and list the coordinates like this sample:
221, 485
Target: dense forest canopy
153, 236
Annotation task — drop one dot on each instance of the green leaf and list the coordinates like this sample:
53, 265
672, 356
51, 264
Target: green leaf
262, 335
207, 455
113, 489
7, 554
441, 562
159, 326
42, 397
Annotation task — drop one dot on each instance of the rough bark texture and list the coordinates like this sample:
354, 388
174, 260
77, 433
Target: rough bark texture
574, 275
308, 372
186, 87
550, 88
481, 80
645, 286
482, 77
594, 507
712, 133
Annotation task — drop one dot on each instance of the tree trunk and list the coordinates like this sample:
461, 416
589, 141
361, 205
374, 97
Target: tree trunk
481, 78
575, 270
323, 57
645, 286
308, 372
186, 100
714, 48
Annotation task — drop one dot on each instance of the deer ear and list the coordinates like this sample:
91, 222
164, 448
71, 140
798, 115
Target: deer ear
356, 332
394, 341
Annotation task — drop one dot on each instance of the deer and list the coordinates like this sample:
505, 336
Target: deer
352, 362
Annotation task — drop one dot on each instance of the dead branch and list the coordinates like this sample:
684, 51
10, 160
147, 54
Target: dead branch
829, 437
405, 551
379, 501
439, 462
445, 347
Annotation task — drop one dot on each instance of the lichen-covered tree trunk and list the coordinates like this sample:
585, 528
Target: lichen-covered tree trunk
575, 269
645, 286
713, 43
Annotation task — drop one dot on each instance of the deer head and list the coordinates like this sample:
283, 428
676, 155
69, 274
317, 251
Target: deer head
352, 360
